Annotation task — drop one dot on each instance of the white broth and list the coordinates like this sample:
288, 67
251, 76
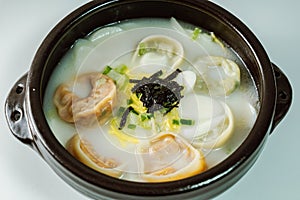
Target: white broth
151, 100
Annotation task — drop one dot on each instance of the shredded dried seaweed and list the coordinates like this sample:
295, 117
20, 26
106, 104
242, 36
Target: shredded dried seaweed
157, 94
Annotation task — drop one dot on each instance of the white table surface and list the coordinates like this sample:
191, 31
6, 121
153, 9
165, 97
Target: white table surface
275, 175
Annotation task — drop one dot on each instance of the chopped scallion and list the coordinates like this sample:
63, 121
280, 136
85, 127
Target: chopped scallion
145, 116
187, 122
196, 33
142, 49
134, 112
176, 122
129, 101
122, 69
139, 95
107, 70
164, 110
131, 126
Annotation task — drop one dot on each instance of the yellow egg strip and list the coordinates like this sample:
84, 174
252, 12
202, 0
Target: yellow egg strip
123, 138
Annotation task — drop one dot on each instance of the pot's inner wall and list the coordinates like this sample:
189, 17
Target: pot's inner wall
204, 16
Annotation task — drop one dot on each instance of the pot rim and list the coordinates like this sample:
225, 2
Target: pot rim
253, 141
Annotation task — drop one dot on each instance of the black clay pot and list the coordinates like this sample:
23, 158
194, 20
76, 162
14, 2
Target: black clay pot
27, 121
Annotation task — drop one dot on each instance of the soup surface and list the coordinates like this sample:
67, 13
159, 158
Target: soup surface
151, 100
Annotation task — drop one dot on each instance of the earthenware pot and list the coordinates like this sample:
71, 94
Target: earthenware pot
27, 121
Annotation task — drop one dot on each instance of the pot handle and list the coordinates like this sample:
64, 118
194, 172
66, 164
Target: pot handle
284, 96
15, 112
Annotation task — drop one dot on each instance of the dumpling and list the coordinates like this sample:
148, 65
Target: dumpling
169, 157
214, 121
82, 151
159, 49
221, 75
96, 105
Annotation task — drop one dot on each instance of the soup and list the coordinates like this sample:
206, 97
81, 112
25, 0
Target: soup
151, 100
